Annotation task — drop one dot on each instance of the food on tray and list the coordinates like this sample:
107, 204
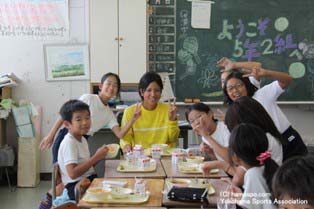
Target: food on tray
99, 192
179, 182
120, 193
195, 159
113, 150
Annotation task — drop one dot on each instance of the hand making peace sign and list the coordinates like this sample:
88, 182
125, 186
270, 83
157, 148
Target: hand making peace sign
172, 109
137, 112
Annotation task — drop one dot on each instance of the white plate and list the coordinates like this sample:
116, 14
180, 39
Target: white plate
113, 150
168, 152
125, 168
186, 167
131, 199
107, 183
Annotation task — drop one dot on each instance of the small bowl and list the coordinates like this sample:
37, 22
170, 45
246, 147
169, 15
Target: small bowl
113, 150
194, 159
180, 182
99, 192
120, 192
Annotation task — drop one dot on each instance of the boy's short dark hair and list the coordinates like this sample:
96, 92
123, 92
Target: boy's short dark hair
71, 106
148, 78
295, 179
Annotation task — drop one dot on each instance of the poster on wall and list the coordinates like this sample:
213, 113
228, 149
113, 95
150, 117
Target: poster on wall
34, 19
66, 62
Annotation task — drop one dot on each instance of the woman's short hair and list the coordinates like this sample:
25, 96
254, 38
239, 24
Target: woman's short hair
148, 78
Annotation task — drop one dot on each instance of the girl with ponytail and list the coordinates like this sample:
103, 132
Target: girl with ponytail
249, 149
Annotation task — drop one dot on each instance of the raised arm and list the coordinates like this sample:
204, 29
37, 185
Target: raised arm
77, 170
284, 79
173, 130
202, 130
229, 65
128, 139
120, 132
47, 141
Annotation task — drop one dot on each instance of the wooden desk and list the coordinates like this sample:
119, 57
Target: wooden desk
131, 208
218, 185
154, 186
172, 171
111, 171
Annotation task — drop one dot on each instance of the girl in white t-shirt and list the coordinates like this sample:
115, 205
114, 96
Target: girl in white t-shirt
248, 110
101, 114
215, 136
249, 149
237, 84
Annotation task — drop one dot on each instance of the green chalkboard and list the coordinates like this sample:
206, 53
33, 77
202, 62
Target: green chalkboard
278, 33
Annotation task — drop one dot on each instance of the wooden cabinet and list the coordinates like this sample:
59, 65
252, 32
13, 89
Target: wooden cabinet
118, 39
5, 93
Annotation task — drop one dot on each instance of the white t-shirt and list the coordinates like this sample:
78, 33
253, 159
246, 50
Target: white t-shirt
276, 149
73, 151
256, 193
101, 115
221, 136
267, 96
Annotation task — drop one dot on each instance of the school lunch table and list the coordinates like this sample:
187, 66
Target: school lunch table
111, 171
172, 171
154, 187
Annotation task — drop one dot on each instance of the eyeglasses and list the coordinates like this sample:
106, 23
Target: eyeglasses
235, 86
194, 119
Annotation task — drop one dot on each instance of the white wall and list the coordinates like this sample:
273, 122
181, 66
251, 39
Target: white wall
26, 60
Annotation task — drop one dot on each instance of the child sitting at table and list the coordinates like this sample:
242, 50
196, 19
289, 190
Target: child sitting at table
74, 157
293, 183
158, 123
249, 149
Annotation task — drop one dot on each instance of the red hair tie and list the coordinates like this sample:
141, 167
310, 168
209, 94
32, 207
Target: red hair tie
263, 156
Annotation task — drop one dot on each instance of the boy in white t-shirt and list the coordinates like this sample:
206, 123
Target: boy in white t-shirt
74, 157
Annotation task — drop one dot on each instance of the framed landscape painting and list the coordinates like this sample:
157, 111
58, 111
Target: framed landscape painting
67, 62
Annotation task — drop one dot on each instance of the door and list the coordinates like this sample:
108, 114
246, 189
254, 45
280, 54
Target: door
103, 32
132, 47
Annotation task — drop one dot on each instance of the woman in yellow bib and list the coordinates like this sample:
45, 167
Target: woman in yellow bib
158, 123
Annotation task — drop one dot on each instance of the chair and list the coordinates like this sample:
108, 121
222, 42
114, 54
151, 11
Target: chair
119, 116
79, 189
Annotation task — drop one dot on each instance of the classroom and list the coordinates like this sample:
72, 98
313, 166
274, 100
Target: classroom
54, 51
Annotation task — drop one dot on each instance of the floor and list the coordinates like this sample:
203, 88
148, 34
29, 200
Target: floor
22, 198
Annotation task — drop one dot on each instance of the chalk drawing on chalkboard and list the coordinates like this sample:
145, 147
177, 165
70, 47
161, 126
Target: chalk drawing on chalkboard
184, 21
307, 49
208, 79
297, 70
190, 44
281, 24
188, 55
210, 74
